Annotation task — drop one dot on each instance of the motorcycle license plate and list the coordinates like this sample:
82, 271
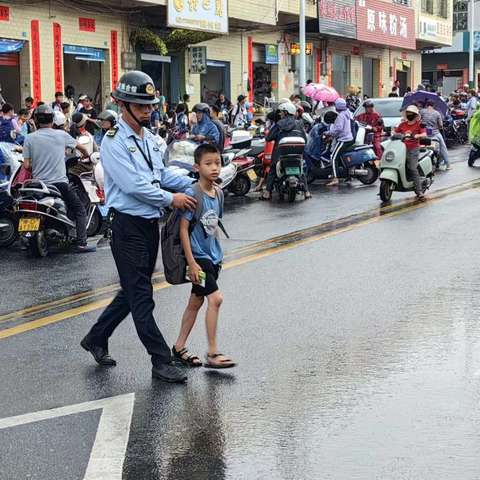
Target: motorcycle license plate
29, 225
252, 175
292, 171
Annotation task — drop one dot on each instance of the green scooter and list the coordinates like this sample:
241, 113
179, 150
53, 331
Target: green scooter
393, 171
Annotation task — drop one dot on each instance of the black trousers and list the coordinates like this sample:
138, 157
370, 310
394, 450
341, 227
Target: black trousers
75, 205
135, 242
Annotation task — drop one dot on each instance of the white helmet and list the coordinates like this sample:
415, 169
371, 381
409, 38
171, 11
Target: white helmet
59, 119
288, 108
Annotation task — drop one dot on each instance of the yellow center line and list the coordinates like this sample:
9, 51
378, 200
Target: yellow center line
90, 307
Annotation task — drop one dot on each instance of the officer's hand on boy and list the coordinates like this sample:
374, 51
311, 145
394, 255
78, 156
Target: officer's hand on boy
184, 202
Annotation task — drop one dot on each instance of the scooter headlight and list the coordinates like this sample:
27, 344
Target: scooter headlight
389, 157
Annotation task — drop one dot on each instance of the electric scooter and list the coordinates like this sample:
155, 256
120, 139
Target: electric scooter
393, 167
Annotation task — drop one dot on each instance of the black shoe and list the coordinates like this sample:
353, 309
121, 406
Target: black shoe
100, 354
168, 373
85, 248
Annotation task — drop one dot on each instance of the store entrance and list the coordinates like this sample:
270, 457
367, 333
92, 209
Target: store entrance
371, 71
262, 82
215, 81
158, 68
10, 78
403, 74
82, 68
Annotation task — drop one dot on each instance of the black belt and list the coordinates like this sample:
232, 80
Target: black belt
112, 213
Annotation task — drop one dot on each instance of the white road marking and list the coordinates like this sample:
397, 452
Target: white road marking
108, 452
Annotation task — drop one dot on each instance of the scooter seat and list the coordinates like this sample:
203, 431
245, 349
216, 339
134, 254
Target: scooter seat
358, 148
54, 191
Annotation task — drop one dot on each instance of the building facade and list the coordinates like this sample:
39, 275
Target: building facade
45, 47
448, 67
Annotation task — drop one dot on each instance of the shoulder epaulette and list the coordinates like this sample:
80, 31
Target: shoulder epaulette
112, 132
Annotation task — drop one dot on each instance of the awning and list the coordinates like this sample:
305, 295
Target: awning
10, 46
87, 54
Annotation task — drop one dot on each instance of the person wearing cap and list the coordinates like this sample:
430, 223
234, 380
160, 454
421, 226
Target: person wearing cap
373, 119
341, 132
287, 126
137, 190
413, 129
44, 155
433, 120
239, 112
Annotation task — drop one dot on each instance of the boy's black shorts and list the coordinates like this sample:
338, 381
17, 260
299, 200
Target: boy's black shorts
212, 271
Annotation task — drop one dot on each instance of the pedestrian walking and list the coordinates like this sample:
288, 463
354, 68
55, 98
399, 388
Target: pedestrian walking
433, 120
203, 252
135, 188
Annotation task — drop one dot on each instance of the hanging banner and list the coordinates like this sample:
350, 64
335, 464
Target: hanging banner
57, 57
114, 57
36, 72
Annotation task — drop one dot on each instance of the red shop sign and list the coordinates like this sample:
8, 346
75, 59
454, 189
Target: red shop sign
114, 57
86, 24
386, 24
36, 73
57, 56
4, 13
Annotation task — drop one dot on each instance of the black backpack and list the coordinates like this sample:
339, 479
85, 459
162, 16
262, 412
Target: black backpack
173, 257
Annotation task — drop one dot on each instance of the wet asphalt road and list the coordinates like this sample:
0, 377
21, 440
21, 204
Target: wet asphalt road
359, 357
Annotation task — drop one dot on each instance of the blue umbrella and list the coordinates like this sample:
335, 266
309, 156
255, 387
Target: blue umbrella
424, 96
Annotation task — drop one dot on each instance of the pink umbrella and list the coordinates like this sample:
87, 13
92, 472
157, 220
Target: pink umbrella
319, 91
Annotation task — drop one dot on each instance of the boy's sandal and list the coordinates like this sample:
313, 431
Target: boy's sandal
219, 364
185, 357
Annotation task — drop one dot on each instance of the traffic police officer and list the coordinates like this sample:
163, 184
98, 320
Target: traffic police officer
135, 183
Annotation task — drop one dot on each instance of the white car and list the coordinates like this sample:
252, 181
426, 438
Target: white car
388, 108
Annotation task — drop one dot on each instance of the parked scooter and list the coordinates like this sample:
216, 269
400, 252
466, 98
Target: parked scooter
290, 177
179, 157
394, 174
43, 220
8, 224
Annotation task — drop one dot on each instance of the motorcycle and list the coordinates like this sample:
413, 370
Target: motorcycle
43, 220
474, 154
179, 157
8, 224
455, 128
290, 178
358, 163
394, 174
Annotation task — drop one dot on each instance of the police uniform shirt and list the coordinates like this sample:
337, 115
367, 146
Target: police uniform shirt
131, 186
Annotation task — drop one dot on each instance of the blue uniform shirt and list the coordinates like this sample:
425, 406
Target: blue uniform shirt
128, 178
204, 238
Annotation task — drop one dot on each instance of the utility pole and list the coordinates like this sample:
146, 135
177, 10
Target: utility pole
302, 72
471, 65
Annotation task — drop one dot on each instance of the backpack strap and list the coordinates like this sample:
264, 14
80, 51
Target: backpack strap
221, 197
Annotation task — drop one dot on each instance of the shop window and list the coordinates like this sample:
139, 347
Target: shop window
427, 6
460, 15
443, 8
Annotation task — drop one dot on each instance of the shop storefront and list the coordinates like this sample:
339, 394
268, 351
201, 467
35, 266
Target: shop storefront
10, 74
262, 74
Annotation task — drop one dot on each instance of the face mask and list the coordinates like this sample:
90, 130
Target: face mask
411, 116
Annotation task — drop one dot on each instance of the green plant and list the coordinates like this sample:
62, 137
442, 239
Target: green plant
143, 37
180, 39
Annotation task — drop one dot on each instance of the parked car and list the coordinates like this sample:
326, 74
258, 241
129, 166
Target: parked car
388, 108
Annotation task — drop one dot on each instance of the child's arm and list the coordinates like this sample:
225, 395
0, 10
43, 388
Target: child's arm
194, 268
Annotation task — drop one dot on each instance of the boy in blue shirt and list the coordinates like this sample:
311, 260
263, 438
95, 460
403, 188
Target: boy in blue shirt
204, 255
